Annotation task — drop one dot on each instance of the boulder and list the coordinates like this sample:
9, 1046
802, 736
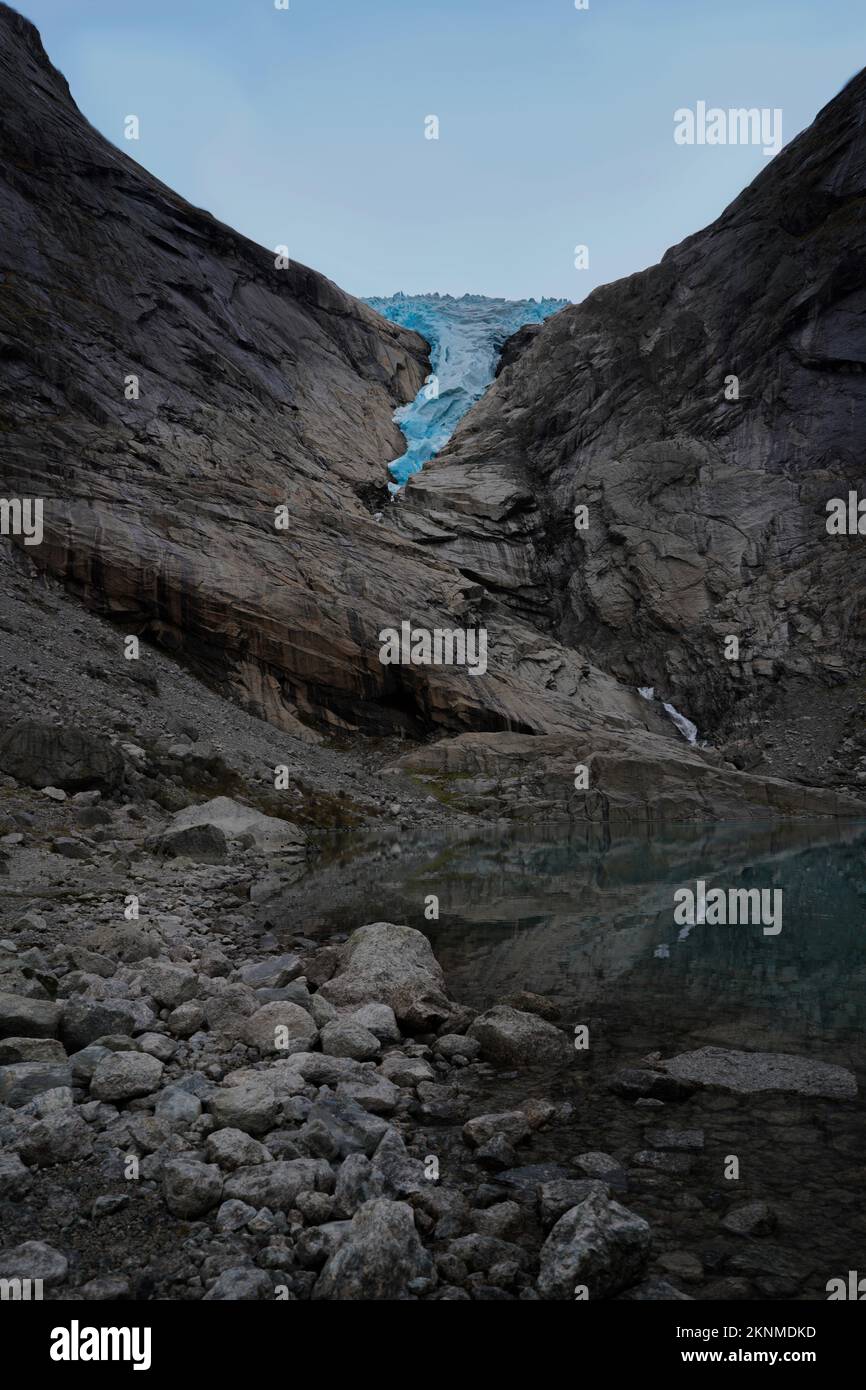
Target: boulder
281, 1028
45, 755
509, 1036
28, 1018
124, 1075
749, 1072
597, 1243
394, 965
20, 1082
236, 821
206, 844
34, 1260
344, 1038
379, 1257
191, 1188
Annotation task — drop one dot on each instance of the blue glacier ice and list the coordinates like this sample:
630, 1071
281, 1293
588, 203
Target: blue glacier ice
466, 337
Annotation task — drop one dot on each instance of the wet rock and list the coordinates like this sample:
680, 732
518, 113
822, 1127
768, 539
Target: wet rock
749, 1219
378, 1258
557, 1197
384, 963
749, 1072
687, 1140
655, 1291
602, 1166
635, 1083
663, 1162
511, 1037
513, 1125
599, 1244
123, 1075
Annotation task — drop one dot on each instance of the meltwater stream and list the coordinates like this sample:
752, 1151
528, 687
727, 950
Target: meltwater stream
466, 337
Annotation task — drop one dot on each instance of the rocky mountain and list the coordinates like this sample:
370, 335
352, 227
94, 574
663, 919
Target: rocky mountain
167, 387
704, 411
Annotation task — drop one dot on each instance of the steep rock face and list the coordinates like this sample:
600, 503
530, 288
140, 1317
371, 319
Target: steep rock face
261, 387
707, 516
258, 386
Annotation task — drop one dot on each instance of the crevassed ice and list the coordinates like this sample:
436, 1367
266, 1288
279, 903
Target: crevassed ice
466, 337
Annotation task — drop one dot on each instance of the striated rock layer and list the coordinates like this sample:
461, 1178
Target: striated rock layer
257, 387
706, 515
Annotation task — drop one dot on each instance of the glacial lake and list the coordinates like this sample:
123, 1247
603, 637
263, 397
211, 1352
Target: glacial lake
587, 921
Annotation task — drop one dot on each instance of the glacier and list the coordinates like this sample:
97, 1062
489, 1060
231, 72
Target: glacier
466, 336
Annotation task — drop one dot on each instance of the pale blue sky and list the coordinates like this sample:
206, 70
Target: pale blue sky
306, 127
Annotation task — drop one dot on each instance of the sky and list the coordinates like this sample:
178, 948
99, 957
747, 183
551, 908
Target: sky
306, 127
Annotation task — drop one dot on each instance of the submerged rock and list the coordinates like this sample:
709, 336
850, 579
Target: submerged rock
749, 1072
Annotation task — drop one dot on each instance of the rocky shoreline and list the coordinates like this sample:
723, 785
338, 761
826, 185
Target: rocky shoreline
190, 1110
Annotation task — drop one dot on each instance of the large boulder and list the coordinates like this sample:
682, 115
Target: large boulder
48, 755
122, 1076
750, 1072
598, 1244
513, 1037
279, 1027
205, 844
387, 964
238, 822
21, 1082
21, 1017
379, 1257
